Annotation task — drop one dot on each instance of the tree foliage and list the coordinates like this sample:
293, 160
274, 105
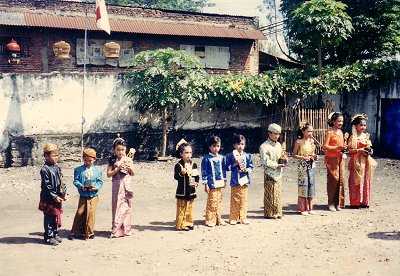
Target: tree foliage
316, 23
227, 91
267, 88
164, 77
376, 31
167, 77
163, 80
181, 5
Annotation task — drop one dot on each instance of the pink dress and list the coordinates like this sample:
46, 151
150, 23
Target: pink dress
121, 205
361, 168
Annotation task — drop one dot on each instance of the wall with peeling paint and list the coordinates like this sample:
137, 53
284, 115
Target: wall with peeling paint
36, 106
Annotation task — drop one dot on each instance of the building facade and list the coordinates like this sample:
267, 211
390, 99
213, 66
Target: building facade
222, 42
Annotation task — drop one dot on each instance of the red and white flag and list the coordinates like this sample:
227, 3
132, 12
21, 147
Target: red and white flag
102, 16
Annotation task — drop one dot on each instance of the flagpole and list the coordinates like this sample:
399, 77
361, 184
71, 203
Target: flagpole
84, 75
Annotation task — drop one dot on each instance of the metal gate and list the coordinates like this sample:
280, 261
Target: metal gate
390, 128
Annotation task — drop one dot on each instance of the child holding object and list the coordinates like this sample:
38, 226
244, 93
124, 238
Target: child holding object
88, 179
187, 175
270, 153
304, 151
361, 164
241, 165
334, 145
213, 174
120, 168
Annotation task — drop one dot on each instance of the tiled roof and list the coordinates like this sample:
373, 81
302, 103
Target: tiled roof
127, 26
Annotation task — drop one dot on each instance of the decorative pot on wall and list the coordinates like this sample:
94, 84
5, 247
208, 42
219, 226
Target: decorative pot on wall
61, 50
111, 50
14, 52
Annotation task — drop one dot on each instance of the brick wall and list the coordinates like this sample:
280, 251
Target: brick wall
31, 63
244, 57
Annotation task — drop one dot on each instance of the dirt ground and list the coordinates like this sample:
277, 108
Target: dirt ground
350, 242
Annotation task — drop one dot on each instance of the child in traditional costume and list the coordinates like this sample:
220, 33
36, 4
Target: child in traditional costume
120, 168
241, 165
213, 174
187, 175
270, 153
334, 147
361, 164
304, 151
53, 192
88, 179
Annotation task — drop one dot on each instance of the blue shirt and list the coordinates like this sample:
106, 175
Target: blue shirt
235, 175
213, 169
80, 176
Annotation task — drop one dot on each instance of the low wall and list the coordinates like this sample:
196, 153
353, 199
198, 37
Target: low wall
41, 108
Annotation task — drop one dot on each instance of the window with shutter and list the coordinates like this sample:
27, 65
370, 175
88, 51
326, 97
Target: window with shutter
210, 56
187, 48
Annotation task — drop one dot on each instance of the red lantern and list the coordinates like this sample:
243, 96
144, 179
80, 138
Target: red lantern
14, 50
13, 46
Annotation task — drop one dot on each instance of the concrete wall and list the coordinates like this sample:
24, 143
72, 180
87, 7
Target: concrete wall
40, 108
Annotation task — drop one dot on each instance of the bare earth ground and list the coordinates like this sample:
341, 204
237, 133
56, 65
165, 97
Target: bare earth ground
351, 242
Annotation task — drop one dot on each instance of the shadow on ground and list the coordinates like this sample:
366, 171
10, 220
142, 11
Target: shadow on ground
390, 236
23, 240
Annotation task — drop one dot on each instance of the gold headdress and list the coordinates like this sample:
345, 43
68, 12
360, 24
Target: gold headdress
303, 124
361, 115
330, 115
182, 141
119, 138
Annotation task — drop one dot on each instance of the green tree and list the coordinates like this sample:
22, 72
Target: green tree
319, 22
376, 31
181, 5
164, 80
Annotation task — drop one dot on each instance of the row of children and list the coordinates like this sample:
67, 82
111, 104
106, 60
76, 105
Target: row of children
88, 179
213, 175
240, 163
